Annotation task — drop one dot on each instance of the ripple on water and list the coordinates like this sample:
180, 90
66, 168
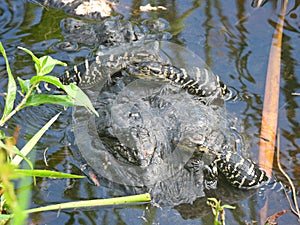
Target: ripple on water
11, 17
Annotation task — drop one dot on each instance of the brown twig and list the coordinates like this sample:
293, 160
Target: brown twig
270, 106
271, 99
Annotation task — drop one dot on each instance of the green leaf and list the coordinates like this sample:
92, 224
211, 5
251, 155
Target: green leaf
4, 218
228, 206
80, 97
23, 197
49, 79
75, 93
39, 99
24, 84
19, 153
95, 202
11, 87
46, 173
34, 58
214, 200
31, 143
2, 134
47, 64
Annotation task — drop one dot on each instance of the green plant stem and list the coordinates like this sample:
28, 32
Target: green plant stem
96, 202
216, 222
19, 107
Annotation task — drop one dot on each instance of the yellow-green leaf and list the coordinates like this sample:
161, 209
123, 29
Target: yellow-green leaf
11, 87
46, 173
80, 97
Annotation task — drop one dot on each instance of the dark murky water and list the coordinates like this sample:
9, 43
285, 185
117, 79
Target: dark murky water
230, 36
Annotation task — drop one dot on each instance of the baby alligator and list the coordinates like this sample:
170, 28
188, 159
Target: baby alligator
201, 86
141, 63
238, 171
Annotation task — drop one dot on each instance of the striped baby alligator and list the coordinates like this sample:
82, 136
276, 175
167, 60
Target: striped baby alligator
130, 137
143, 61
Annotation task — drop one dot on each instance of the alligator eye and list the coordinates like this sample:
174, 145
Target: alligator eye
145, 68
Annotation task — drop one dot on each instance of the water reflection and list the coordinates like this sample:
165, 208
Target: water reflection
231, 37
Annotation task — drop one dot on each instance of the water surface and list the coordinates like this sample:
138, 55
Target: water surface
230, 36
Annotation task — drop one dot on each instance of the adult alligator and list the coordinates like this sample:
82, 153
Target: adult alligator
161, 120
157, 121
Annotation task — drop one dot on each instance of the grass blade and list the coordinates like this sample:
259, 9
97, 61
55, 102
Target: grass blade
46, 173
96, 202
31, 143
11, 87
39, 99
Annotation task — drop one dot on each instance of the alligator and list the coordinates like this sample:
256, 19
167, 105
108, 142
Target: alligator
113, 32
129, 112
142, 60
161, 118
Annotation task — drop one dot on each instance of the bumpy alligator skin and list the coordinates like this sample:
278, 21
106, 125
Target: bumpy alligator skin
128, 55
113, 32
143, 122
135, 142
240, 172
92, 71
204, 85
143, 60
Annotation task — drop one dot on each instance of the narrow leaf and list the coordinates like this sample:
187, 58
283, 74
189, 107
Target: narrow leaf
74, 92
31, 143
47, 64
34, 58
96, 202
49, 79
228, 206
80, 97
39, 99
11, 87
46, 173
2, 134
23, 200
19, 153
24, 84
